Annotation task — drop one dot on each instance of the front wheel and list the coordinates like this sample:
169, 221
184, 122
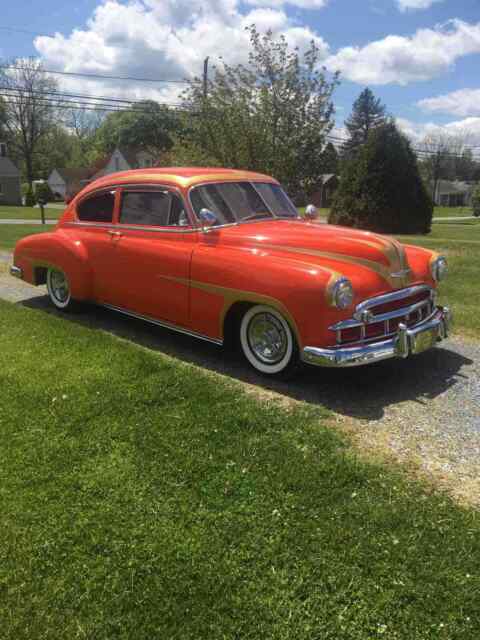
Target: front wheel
268, 342
59, 290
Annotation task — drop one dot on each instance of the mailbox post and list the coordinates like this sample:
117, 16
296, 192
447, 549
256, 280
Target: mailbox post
41, 204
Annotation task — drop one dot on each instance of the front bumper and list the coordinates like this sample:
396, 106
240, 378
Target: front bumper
406, 342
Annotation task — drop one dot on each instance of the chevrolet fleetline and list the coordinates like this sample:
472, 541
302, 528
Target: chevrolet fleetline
224, 255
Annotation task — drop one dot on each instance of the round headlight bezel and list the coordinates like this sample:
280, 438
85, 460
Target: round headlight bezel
342, 294
439, 268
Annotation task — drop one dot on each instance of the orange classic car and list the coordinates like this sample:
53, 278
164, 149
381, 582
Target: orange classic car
223, 255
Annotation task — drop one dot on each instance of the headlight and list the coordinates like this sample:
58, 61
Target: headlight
342, 294
439, 268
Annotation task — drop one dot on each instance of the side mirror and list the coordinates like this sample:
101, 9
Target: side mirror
207, 218
311, 212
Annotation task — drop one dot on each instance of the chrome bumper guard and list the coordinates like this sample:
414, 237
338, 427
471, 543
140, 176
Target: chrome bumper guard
406, 342
16, 272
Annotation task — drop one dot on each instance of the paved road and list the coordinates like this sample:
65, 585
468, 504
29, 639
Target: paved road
25, 221
455, 218
423, 410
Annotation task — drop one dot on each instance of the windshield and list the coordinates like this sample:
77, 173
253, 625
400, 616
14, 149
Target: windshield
240, 201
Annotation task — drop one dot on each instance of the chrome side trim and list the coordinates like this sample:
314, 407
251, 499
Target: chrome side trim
404, 343
161, 323
16, 272
389, 297
121, 227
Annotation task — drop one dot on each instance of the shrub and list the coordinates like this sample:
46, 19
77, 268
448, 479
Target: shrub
43, 192
381, 189
476, 200
30, 200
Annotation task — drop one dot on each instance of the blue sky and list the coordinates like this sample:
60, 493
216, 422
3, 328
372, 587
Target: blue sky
407, 51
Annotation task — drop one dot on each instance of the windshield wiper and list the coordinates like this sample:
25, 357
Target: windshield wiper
256, 215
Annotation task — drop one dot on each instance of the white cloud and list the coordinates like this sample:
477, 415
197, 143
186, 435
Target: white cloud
166, 39
468, 129
465, 102
301, 4
406, 5
400, 60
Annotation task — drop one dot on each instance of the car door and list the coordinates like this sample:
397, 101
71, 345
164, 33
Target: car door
94, 229
152, 249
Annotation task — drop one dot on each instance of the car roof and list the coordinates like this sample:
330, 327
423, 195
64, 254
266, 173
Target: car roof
177, 176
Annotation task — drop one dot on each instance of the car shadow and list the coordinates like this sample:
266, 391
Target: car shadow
359, 392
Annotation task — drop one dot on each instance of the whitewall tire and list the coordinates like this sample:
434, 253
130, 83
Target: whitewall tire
58, 289
267, 341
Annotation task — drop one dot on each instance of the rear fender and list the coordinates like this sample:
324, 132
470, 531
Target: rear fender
35, 254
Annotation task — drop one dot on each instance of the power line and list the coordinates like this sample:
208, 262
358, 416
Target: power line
63, 95
98, 76
31, 33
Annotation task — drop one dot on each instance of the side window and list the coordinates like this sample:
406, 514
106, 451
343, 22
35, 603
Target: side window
152, 208
98, 208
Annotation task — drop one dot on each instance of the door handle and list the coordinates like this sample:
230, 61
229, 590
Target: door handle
115, 234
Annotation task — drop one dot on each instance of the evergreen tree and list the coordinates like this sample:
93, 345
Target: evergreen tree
330, 159
367, 113
381, 188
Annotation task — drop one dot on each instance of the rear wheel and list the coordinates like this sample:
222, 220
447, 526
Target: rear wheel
58, 289
268, 342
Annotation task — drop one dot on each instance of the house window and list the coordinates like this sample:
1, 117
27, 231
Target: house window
3, 149
152, 208
1, 190
98, 208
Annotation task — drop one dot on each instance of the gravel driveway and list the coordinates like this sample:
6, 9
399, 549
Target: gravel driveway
423, 412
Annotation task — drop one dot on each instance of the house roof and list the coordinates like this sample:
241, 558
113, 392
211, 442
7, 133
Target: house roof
7, 168
74, 173
326, 177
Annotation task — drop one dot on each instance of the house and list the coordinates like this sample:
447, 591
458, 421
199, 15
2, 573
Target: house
323, 195
10, 190
453, 194
68, 182
124, 159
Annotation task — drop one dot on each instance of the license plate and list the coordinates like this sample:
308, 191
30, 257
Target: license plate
425, 340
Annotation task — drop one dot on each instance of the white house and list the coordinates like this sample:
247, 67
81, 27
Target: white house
68, 182
124, 159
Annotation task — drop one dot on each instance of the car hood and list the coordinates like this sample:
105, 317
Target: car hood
347, 251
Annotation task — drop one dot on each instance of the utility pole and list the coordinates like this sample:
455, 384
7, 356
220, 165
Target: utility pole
205, 77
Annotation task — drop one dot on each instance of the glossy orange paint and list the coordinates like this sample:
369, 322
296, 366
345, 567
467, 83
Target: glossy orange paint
190, 278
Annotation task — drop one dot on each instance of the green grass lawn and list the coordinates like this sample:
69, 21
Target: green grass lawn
451, 212
28, 213
461, 244
11, 233
144, 498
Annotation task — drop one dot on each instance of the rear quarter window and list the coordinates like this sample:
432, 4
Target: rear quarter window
98, 208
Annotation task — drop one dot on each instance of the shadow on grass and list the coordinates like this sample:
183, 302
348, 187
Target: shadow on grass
363, 392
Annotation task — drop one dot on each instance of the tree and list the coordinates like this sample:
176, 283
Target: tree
147, 125
438, 151
330, 159
29, 113
381, 188
270, 116
368, 113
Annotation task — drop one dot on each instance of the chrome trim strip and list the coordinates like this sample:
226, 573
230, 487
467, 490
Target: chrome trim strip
160, 323
389, 297
16, 272
121, 227
401, 345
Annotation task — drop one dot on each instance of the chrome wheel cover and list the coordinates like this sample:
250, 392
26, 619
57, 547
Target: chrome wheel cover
267, 338
59, 288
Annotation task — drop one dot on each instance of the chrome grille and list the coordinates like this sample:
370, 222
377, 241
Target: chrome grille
378, 318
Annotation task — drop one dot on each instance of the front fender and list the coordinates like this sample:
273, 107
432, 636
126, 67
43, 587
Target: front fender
60, 249
220, 278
